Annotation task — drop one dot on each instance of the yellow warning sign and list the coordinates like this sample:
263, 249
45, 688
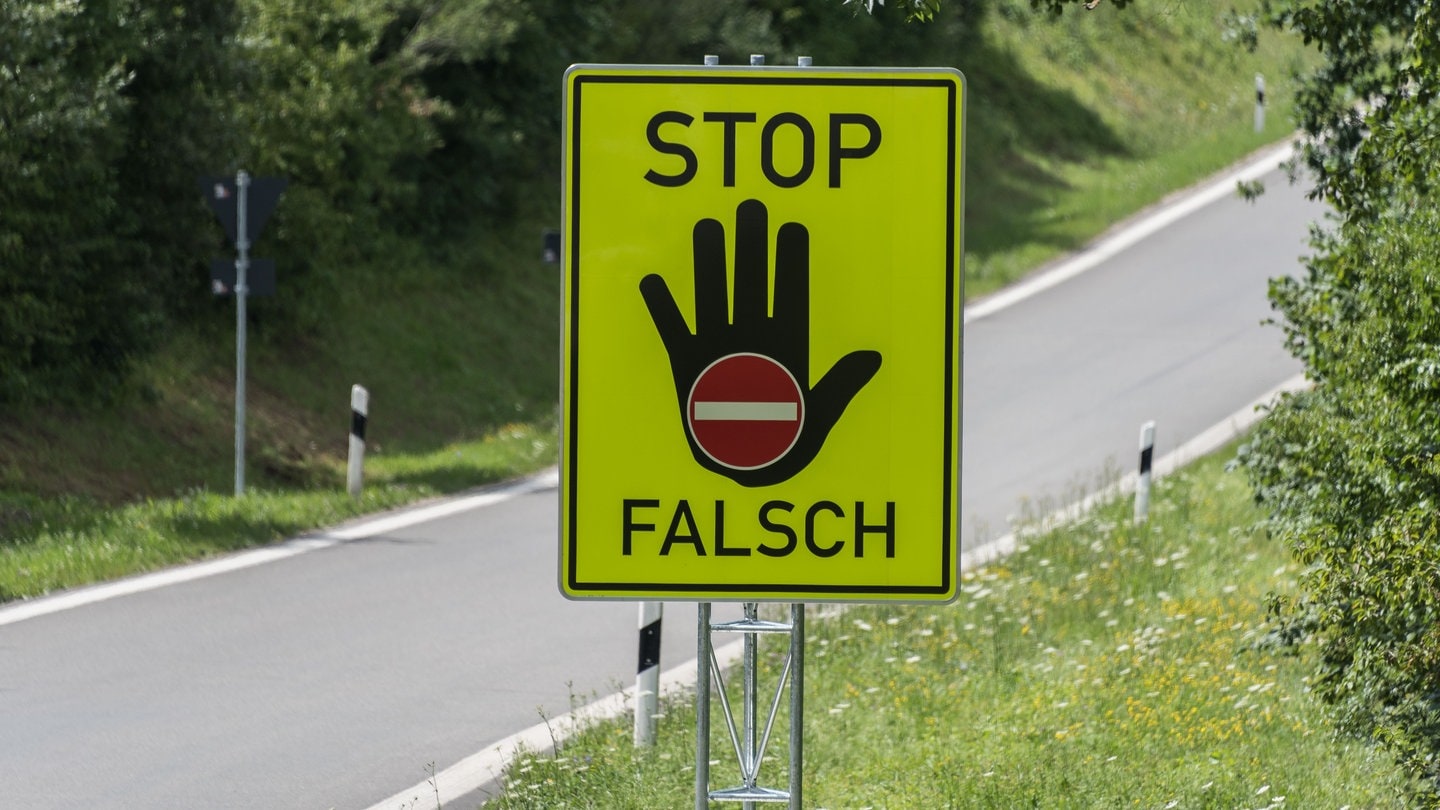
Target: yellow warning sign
761, 334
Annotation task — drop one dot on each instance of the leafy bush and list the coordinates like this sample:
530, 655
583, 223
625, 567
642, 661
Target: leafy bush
328, 103
1350, 470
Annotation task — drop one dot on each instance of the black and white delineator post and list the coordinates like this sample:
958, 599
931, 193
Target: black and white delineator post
1259, 103
1142, 486
647, 673
243, 205
359, 416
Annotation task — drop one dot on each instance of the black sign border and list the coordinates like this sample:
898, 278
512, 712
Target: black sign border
955, 89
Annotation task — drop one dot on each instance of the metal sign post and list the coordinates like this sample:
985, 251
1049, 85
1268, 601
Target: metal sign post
749, 740
242, 268
748, 752
243, 207
760, 388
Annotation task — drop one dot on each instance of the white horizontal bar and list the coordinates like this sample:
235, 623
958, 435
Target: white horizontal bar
747, 411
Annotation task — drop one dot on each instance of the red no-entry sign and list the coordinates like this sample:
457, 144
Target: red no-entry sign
746, 411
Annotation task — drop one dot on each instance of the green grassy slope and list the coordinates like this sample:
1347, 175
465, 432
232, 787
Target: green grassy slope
1103, 665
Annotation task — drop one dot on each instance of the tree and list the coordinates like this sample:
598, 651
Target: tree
177, 125
493, 71
1350, 469
107, 112
62, 108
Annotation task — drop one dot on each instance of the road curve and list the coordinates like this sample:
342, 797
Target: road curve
1169, 328
337, 676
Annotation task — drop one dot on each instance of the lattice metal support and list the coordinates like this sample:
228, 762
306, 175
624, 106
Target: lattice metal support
749, 740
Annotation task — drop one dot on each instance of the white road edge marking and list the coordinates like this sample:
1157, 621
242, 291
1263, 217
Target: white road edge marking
1107, 247
484, 768
1209, 441
46, 605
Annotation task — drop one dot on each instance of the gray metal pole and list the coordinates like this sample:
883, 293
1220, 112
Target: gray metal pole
797, 702
702, 676
748, 756
242, 266
797, 670
702, 708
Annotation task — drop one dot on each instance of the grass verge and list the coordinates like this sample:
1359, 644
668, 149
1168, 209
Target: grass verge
1080, 120
1101, 666
55, 543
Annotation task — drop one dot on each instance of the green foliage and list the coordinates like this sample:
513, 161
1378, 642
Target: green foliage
1374, 53
834, 35
1059, 6
181, 63
914, 9
392, 119
421, 140
1351, 475
1349, 469
72, 541
61, 101
327, 104
107, 111
406, 128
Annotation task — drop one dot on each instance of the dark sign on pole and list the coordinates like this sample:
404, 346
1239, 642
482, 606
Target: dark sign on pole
259, 281
550, 246
243, 205
263, 196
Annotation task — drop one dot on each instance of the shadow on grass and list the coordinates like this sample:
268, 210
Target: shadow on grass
453, 478
207, 524
1012, 115
23, 517
383, 540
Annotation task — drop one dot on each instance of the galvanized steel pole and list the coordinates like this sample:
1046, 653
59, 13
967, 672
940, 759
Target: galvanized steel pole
703, 656
242, 266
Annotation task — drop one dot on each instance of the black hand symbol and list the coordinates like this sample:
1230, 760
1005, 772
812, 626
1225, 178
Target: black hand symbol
783, 338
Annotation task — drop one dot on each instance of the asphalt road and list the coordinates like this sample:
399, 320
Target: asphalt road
1168, 329
337, 676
